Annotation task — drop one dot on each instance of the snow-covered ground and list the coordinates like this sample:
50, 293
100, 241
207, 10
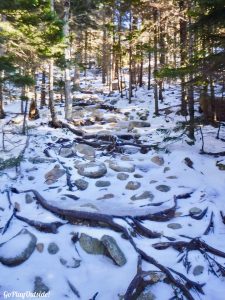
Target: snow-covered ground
133, 184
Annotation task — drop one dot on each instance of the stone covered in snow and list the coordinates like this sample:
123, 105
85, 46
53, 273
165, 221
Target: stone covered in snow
92, 169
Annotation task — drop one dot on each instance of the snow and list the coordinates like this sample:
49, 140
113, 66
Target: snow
97, 273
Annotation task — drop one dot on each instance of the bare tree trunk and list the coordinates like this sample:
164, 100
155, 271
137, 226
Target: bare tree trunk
149, 69
68, 96
43, 89
183, 57
155, 17
2, 113
130, 60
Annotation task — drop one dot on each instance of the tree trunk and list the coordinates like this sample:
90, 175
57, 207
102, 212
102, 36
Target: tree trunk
68, 96
149, 70
2, 113
130, 59
155, 17
43, 89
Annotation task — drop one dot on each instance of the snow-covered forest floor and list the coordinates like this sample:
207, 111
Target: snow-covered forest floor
101, 172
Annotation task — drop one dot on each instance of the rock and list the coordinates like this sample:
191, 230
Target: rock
172, 177
40, 286
158, 160
146, 295
113, 250
153, 181
220, 166
133, 185
122, 176
53, 248
66, 152
40, 247
106, 196
101, 183
163, 188
91, 245
17, 206
28, 198
198, 270
195, 211
92, 169
188, 162
166, 169
87, 151
18, 249
30, 178
121, 166
53, 175
174, 226
138, 176
74, 263
138, 124
81, 184
144, 195
41, 160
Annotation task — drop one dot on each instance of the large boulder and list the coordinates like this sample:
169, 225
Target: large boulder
113, 250
85, 150
92, 169
18, 249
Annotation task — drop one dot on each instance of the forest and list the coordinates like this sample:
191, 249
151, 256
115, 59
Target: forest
112, 149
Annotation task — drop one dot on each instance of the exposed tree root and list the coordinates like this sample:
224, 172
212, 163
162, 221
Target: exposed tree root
210, 227
182, 283
44, 227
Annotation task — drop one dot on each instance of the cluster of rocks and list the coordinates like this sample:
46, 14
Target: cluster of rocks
106, 246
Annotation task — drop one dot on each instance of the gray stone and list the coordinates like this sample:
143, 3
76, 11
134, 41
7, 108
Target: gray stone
138, 176
195, 211
174, 226
145, 195
87, 151
91, 245
53, 248
172, 177
66, 152
31, 178
40, 286
28, 198
92, 169
198, 270
163, 188
18, 249
40, 247
113, 250
101, 183
188, 162
53, 175
153, 181
166, 169
122, 176
41, 160
106, 196
121, 166
133, 185
81, 184
158, 160
75, 263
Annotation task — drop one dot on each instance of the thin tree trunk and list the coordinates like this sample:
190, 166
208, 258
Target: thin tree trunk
68, 96
149, 69
155, 16
43, 89
130, 59
2, 113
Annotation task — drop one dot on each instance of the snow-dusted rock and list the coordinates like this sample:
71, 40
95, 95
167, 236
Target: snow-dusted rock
41, 160
53, 175
102, 183
174, 226
53, 248
18, 249
121, 166
133, 185
158, 160
198, 270
122, 176
195, 211
85, 150
145, 195
92, 169
66, 152
113, 250
138, 124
